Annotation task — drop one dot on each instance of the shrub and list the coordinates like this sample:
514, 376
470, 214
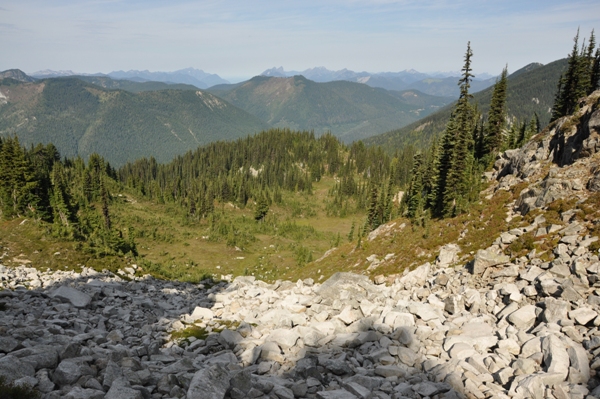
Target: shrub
11, 391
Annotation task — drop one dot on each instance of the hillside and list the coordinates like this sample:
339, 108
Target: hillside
188, 76
16, 74
351, 111
530, 90
446, 87
502, 302
133, 86
81, 118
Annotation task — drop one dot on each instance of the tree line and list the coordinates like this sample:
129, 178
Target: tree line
257, 170
70, 197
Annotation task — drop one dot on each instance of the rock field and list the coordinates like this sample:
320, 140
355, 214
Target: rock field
494, 327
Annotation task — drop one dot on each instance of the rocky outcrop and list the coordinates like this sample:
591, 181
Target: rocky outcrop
572, 141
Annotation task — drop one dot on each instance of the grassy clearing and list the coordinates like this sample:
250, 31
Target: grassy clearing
287, 244
173, 246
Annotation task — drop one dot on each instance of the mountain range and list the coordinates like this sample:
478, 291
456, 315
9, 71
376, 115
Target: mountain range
351, 111
435, 84
80, 118
189, 76
125, 119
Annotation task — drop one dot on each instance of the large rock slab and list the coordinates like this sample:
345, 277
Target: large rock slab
209, 383
80, 393
283, 337
67, 372
579, 371
556, 310
40, 356
120, 389
336, 394
12, 368
75, 297
201, 313
8, 344
425, 311
357, 286
448, 255
484, 259
556, 357
583, 315
524, 318
417, 277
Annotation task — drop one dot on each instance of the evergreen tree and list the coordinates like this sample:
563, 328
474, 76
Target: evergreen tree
595, 72
17, 181
513, 136
62, 203
431, 175
443, 166
587, 66
459, 156
579, 80
388, 200
351, 232
262, 207
494, 136
442, 184
414, 195
105, 211
372, 217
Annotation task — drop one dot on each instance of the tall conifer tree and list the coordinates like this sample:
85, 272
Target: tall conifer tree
461, 159
494, 132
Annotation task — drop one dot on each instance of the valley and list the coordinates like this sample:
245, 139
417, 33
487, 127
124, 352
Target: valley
160, 241
512, 316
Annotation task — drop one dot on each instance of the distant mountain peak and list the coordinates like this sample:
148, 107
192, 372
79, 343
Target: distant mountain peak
275, 72
16, 74
52, 73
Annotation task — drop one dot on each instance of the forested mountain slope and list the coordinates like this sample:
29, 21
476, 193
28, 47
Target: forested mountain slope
133, 86
530, 91
81, 118
351, 111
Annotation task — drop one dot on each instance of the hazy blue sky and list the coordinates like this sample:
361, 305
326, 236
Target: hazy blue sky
238, 39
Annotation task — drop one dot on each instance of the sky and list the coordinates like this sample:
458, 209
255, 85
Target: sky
240, 39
